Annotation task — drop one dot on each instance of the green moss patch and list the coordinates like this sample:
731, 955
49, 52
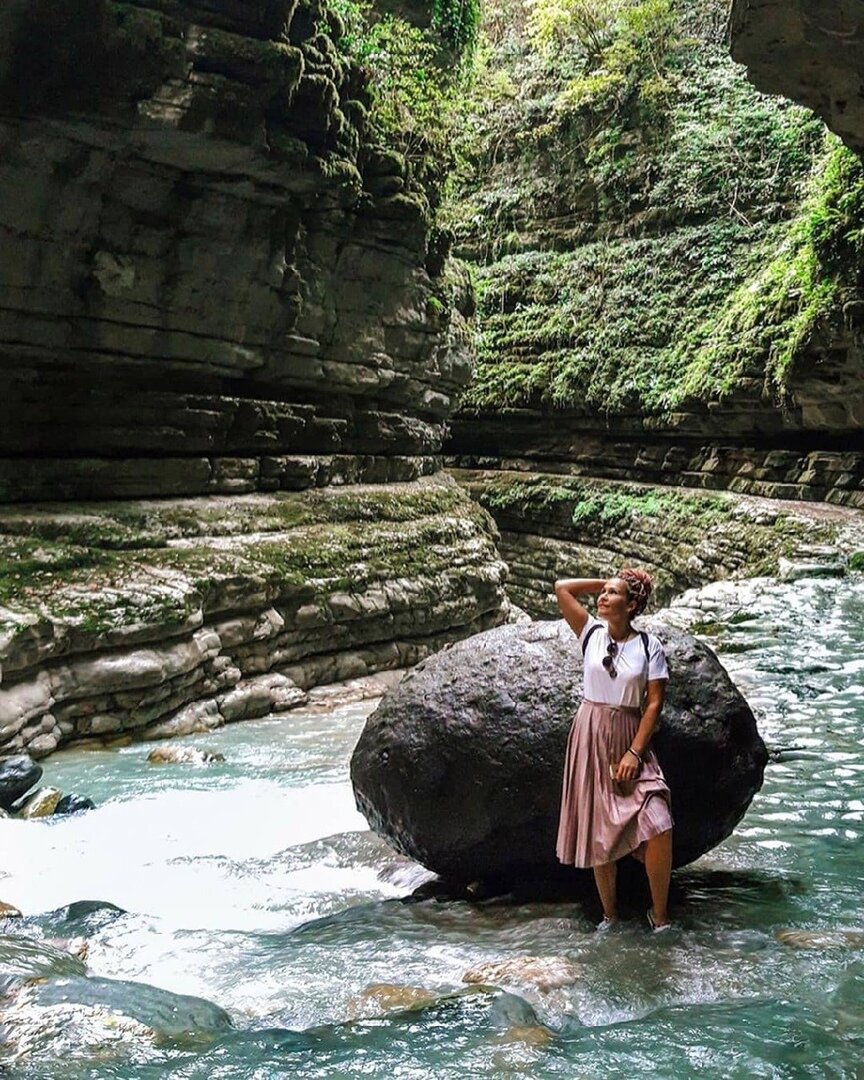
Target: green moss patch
667, 523
190, 555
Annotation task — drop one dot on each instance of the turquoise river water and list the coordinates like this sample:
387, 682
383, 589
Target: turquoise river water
241, 922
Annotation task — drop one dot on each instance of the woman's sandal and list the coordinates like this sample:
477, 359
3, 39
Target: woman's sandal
656, 928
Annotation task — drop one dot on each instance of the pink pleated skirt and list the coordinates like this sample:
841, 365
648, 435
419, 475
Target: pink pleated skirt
602, 819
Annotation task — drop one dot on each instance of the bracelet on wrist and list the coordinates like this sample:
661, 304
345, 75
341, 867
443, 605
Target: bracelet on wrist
635, 754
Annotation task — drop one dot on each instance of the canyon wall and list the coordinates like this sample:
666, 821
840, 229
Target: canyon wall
811, 51
219, 305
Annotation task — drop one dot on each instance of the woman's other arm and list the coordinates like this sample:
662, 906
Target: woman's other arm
566, 592
629, 766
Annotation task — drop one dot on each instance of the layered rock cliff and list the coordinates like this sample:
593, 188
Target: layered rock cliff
670, 277
215, 281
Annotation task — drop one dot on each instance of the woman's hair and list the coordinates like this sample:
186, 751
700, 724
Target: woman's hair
639, 586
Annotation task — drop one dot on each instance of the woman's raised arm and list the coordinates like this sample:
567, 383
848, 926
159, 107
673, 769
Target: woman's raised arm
566, 592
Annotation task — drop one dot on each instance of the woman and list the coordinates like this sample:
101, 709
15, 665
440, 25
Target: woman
615, 800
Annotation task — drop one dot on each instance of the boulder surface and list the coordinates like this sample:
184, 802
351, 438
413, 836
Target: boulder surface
460, 765
17, 775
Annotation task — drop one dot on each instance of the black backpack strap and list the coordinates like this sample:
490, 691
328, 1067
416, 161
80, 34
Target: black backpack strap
644, 635
596, 626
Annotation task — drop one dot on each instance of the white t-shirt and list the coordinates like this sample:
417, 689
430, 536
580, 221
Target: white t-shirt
634, 669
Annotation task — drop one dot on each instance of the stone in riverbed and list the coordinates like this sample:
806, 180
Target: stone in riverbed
17, 775
8, 911
821, 939
42, 803
543, 972
380, 998
182, 755
74, 804
460, 766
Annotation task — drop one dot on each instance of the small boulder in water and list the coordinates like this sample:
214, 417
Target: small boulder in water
182, 755
543, 972
822, 939
385, 997
9, 911
41, 803
78, 947
74, 804
17, 775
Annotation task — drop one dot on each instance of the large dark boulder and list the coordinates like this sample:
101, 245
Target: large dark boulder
17, 775
460, 765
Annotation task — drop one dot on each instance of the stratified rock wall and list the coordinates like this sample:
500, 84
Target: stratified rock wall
214, 298
809, 50
207, 269
164, 617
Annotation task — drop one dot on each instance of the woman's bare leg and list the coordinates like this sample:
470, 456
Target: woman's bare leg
658, 867
604, 876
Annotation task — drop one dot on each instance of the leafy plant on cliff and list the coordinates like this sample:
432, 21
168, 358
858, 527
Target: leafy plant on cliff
413, 90
458, 22
803, 279
642, 34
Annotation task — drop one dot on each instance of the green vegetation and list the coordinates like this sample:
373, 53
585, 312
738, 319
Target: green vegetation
646, 227
594, 503
142, 525
414, 75
458, 23
653, 520
803, 281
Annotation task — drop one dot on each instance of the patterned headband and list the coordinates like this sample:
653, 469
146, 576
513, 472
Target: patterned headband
639, 586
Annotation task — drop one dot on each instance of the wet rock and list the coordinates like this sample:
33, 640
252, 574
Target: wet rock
167, 1013
26, 958
822, 939
460, 766
510, 1011
42, 803
543, 972
74, 804
83, 918
17, 775
9, 911
381, 998
527, 1035
182, 755
79, 947
199, 717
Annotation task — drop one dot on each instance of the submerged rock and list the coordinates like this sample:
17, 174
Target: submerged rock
460, 765
183, 755
74, 804
17, 775
380, 998
543, 972
822, 939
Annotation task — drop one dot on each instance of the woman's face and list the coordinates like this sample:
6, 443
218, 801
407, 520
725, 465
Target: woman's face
612, 603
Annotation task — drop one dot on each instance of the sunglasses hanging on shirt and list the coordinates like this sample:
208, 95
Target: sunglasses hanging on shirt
608, 659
